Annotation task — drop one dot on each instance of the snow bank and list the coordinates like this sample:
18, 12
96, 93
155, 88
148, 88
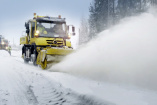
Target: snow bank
4, 53
126, 53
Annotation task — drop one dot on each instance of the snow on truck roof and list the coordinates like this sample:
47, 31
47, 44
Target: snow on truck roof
48, 19
51, 19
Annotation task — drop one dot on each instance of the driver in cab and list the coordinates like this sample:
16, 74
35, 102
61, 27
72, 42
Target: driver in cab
41, 29
58, 29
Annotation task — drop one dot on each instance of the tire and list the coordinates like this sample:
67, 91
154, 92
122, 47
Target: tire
24, 52
25, 60
35, 60
36, 54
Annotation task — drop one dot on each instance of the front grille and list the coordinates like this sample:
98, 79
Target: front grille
49, 41
55, 42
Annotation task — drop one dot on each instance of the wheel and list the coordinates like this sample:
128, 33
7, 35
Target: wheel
25, 60
44, 64
24, 54
35, 53
35, 58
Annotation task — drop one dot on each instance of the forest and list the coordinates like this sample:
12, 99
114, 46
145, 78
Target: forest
106, 13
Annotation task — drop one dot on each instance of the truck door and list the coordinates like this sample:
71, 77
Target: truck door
32, 32
29, 32
33, 29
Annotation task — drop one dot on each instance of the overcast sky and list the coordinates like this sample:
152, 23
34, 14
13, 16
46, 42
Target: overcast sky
14, 13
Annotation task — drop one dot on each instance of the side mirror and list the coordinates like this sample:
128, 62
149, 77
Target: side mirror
68, 28
73, 34
27, 25
73, 29
27, 31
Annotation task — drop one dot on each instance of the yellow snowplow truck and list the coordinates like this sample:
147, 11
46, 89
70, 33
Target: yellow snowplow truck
47, 40
3, 43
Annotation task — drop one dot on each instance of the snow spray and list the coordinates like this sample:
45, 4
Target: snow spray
125, 53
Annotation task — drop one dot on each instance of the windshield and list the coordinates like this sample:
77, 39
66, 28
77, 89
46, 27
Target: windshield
51, 29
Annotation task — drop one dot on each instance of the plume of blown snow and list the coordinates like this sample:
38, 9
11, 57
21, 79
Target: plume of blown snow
125, 53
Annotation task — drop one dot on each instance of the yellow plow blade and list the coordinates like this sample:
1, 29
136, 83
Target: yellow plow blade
49, 56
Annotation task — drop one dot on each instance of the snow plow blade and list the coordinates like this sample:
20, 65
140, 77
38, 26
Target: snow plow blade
50, 56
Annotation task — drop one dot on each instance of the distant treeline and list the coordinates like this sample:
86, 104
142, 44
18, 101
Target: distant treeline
105, 13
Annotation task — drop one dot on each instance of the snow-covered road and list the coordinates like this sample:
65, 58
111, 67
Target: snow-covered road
24, 84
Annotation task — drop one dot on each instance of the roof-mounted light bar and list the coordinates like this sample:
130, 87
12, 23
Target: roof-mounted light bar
59, 17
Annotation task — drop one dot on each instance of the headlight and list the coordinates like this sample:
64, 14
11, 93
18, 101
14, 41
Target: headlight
69, 35
37, 33
2, 42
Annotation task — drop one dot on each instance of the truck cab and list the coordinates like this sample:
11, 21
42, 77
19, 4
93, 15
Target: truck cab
45, 32
3, 43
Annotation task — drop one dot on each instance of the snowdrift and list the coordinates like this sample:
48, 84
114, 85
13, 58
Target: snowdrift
4, 53
126, 53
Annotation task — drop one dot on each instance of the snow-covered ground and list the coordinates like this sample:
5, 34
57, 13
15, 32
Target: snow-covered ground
117, 68
24, 84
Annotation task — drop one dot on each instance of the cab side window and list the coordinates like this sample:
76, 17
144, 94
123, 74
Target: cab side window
30, 29
33, 29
